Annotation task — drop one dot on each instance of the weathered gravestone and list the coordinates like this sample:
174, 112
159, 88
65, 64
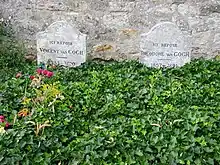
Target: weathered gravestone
61, 44
165, 46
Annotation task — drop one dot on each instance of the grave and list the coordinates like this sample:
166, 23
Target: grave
165, 46
61, 44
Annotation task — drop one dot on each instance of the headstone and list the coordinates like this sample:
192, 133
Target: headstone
165, 46
61, 44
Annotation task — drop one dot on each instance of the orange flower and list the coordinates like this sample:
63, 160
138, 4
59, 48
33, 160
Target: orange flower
24, 112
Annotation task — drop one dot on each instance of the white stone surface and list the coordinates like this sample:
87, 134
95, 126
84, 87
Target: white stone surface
62, 44
165, 46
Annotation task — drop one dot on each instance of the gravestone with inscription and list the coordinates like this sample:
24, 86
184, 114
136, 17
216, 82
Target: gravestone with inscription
61, 44
165, 46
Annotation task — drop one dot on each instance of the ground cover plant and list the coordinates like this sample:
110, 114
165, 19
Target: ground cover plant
112, 113
107, 113
11, 52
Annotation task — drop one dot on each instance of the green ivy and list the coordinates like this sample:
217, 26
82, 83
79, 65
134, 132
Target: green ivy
12, 52
117, 113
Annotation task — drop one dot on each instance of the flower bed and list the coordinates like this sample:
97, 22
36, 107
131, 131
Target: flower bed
115, 113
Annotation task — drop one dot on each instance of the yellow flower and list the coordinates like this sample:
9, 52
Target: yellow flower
36, 82
26, 101
2, 130
49, 91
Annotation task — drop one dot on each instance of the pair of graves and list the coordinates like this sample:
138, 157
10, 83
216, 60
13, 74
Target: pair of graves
163, 46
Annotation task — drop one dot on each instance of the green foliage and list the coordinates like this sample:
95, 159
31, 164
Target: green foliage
11, 52
115, 113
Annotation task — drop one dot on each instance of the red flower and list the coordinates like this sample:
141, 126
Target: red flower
44, 72
39, 71
49, 74
32, 77
7, 125
18, 75
2, 119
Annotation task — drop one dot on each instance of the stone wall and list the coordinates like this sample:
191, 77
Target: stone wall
114, 26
